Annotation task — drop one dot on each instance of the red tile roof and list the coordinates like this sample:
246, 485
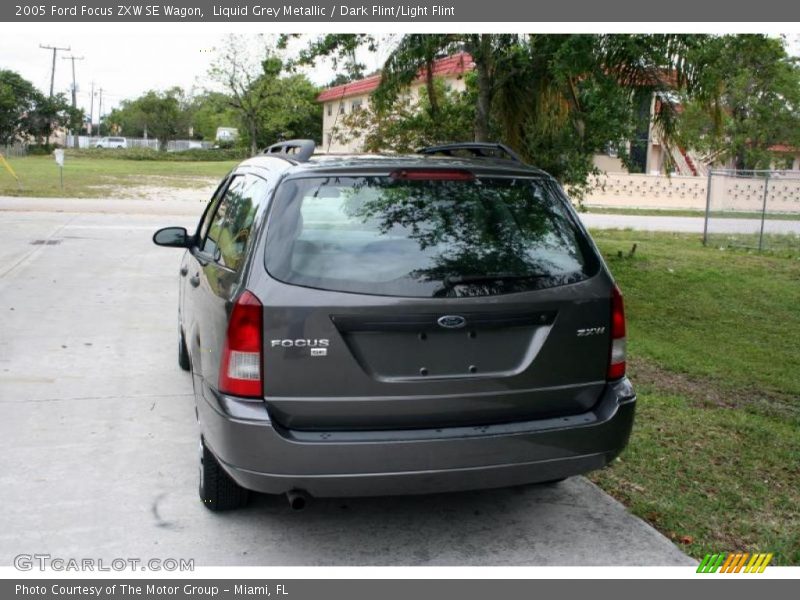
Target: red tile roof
784, 148
457, 64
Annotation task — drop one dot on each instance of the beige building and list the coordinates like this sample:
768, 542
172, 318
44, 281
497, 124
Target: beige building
341, 100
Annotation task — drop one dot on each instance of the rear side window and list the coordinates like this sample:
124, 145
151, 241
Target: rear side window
230, 227
424, 238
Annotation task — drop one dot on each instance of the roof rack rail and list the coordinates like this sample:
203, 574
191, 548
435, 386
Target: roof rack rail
296, 150
477, 149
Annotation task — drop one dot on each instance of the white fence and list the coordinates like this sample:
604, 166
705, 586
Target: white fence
628, 190
741, 193
14, 150
85, 141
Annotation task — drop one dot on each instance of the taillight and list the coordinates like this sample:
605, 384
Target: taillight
616, 360
240, 367
432, 175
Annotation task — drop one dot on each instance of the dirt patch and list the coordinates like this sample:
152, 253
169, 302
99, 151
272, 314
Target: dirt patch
710, 392
163, 188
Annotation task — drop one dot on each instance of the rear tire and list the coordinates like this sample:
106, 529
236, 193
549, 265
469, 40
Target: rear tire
217, 490
184, 362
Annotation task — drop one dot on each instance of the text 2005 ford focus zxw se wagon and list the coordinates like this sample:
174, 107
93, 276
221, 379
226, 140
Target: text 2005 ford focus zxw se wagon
369, 325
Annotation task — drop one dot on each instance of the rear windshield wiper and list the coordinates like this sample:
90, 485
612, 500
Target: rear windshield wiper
451, 280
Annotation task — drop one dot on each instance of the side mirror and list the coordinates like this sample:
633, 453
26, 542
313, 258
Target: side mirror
172, 237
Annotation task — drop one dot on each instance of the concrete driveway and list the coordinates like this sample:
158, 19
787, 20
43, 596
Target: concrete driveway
98, 439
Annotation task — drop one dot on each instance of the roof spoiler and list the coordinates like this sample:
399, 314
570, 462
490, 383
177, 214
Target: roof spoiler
296, 150
476, 149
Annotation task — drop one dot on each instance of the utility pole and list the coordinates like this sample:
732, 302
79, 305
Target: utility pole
91, 111
73, 58
55, 49
74, 86
100, 114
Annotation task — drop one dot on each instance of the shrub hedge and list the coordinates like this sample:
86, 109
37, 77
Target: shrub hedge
196, 154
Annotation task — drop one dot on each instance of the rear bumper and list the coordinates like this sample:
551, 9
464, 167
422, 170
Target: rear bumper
262, 456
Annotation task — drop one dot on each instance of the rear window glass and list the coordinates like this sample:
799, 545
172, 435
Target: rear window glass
424, 238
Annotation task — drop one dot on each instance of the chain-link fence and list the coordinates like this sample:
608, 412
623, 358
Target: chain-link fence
753, 209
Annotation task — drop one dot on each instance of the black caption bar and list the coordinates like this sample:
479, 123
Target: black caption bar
336, 589
440, 11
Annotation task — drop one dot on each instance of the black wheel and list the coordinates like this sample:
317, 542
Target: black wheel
184, 361
217, 490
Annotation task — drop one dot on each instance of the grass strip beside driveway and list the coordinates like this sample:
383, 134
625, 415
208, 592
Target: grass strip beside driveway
714, 460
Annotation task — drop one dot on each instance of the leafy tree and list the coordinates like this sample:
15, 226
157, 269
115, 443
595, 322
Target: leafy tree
18, 99
747, 99
48, 114
76, 118
162, 115
556, 99
560, 99
269, 104
122, 120
290, 111
211, 110
249, 81
341, 48
416, 52
293, 111
26, 112
540, 75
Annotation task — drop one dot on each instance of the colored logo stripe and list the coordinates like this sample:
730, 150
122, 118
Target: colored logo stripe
734, 562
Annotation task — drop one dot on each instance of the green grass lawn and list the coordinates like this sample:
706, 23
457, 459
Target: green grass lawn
714, 348
98, 177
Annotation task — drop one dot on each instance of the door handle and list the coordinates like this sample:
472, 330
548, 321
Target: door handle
184, 271
194, 280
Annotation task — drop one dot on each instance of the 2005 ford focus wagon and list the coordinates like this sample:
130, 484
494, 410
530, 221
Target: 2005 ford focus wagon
369, 325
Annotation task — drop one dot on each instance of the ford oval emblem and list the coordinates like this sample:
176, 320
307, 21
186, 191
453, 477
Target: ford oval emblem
451, 321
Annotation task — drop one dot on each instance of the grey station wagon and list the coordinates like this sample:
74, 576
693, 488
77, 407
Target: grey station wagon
370, 325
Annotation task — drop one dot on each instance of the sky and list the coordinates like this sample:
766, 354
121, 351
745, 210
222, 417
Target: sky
126, 64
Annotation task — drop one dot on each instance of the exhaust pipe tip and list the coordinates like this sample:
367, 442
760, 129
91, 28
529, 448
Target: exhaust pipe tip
298, 499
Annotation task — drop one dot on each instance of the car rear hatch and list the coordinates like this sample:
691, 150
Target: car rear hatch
429, 299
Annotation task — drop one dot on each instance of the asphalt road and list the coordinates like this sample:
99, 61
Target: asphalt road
98, 439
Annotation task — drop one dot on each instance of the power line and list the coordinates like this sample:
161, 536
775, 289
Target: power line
55, 49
